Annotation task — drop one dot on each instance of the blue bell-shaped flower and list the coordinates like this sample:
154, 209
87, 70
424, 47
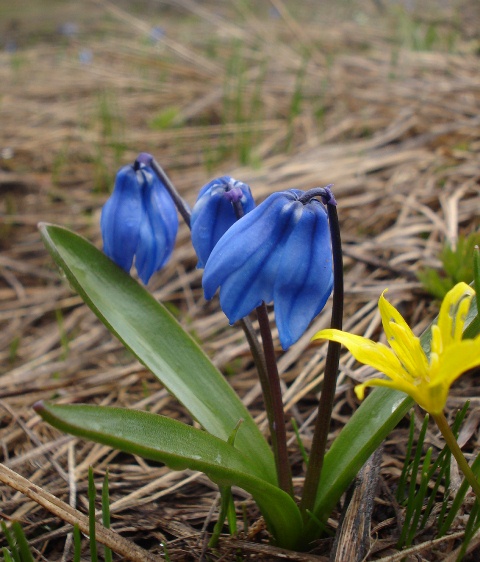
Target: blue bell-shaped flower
139, 220
213, 213
280, 252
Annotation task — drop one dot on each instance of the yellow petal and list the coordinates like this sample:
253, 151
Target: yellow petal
366, 351
453, 310
457, 359
390, 314
436, 345
398, 384
409, 351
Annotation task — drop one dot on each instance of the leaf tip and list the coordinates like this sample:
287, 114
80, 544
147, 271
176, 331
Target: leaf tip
39, 406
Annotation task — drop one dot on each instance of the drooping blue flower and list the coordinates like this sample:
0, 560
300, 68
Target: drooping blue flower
213, 213
139, 221
280, 252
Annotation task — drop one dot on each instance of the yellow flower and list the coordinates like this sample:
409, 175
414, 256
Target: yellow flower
426, 380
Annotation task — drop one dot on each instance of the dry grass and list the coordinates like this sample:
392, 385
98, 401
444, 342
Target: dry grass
298, 98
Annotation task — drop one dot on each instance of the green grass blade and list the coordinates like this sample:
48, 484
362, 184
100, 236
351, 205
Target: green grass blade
159, 342
418, 500
411, 503
12, 545
300, 444
92, 493
472, 526
77, 544
406, 470
458, 500
22, 543
180, 446
106, 515
6, 555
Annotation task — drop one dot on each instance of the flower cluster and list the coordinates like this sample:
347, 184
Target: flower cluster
277, 252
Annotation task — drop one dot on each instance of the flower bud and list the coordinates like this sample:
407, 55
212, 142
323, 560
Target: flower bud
214, 213
280, 252
139, 221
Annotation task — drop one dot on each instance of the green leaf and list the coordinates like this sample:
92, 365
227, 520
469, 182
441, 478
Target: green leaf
376, 417
364, 432
159, 342
179, 446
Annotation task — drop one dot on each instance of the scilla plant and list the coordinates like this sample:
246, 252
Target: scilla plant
287, 251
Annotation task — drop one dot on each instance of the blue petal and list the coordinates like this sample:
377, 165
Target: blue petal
213, 214
245, 261
121, 219
159, 227
306, 279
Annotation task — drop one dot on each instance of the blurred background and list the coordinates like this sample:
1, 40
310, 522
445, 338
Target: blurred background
379, 97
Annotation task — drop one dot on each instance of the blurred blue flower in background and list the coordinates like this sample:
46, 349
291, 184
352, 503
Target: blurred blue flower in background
214, 213
68, 29
156, 33
280, 252
85, 56
139, 220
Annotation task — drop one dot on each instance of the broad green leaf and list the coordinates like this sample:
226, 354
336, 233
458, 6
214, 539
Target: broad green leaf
179, 446
159, 342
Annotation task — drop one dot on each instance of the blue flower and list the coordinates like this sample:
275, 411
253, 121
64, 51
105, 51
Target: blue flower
139, 220
214, 213
280, 252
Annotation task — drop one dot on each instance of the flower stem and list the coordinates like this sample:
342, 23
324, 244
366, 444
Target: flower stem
325, 406
180, 203
447, 433
272, 394
266, 364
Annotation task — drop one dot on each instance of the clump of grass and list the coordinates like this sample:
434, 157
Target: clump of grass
112, 133
19, 550
419, 488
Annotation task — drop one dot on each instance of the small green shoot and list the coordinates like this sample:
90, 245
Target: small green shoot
21, 540
227, 507
106, 514
77, 544
422, 499
296, 101
474, 327
6, 555
63, 334
18, 549
406, 471
92, 492
472, 526
166, 556
457, 266
13, 349
165, 119
299, 441
12, 545
414, 498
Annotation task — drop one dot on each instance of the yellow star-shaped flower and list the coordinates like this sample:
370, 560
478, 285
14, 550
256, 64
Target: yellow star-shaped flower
426, 380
